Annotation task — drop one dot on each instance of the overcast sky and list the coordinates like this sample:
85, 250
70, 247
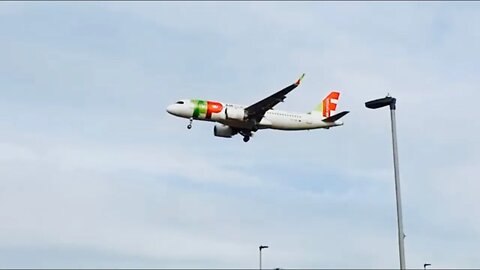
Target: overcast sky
95, 174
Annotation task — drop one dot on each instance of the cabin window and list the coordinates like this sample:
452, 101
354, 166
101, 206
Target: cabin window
180, 102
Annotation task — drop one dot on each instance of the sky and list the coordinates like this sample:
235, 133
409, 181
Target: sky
94, 173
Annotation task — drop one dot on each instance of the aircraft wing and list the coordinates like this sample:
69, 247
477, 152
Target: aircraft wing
258, 110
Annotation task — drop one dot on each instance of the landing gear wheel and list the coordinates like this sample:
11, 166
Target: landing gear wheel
246, 138
190, 124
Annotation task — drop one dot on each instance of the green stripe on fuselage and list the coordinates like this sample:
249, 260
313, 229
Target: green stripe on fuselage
199, 108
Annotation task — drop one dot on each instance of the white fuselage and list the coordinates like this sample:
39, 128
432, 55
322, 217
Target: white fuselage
273, 119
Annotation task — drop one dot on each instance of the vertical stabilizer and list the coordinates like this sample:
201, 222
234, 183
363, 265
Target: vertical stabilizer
328, 105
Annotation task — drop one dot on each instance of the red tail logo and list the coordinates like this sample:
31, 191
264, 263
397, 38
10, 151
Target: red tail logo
329, 103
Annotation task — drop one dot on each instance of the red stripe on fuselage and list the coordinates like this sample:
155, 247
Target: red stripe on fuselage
213, 107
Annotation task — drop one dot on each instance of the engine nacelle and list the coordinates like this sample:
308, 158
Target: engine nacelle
221, 130
236, 114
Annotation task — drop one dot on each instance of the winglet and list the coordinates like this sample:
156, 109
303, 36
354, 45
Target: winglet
300, 79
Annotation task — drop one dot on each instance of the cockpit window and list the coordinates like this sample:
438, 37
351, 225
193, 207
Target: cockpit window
180, 102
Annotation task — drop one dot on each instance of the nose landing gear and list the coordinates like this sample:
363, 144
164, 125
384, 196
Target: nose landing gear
190, 124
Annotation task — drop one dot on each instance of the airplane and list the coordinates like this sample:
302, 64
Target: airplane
234, 119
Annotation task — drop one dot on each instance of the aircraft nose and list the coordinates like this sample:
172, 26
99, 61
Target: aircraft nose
170, 109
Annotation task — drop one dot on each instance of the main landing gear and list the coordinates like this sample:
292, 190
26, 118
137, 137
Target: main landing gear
190, 124
246, 135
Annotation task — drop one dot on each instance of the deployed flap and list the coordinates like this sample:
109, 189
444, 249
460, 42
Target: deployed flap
335, 117
257, 110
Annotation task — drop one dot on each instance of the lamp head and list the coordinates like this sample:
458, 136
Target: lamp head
381, 102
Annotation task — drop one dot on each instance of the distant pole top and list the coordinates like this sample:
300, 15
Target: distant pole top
262, 247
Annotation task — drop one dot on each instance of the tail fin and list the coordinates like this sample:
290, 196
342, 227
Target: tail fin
328, 105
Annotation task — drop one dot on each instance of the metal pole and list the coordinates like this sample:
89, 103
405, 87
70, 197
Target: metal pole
260, 249
260, 258
401, 235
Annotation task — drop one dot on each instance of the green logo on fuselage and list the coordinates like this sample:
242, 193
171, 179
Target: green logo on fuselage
199, 107
203, 109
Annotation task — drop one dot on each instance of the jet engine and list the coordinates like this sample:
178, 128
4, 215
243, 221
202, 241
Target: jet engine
234, 113
221, 130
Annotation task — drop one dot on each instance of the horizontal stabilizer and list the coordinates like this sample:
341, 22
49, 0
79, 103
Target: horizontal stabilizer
335, 117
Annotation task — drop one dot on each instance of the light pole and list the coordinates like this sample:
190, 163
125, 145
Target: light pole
379, 103
425, 265
260, 248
